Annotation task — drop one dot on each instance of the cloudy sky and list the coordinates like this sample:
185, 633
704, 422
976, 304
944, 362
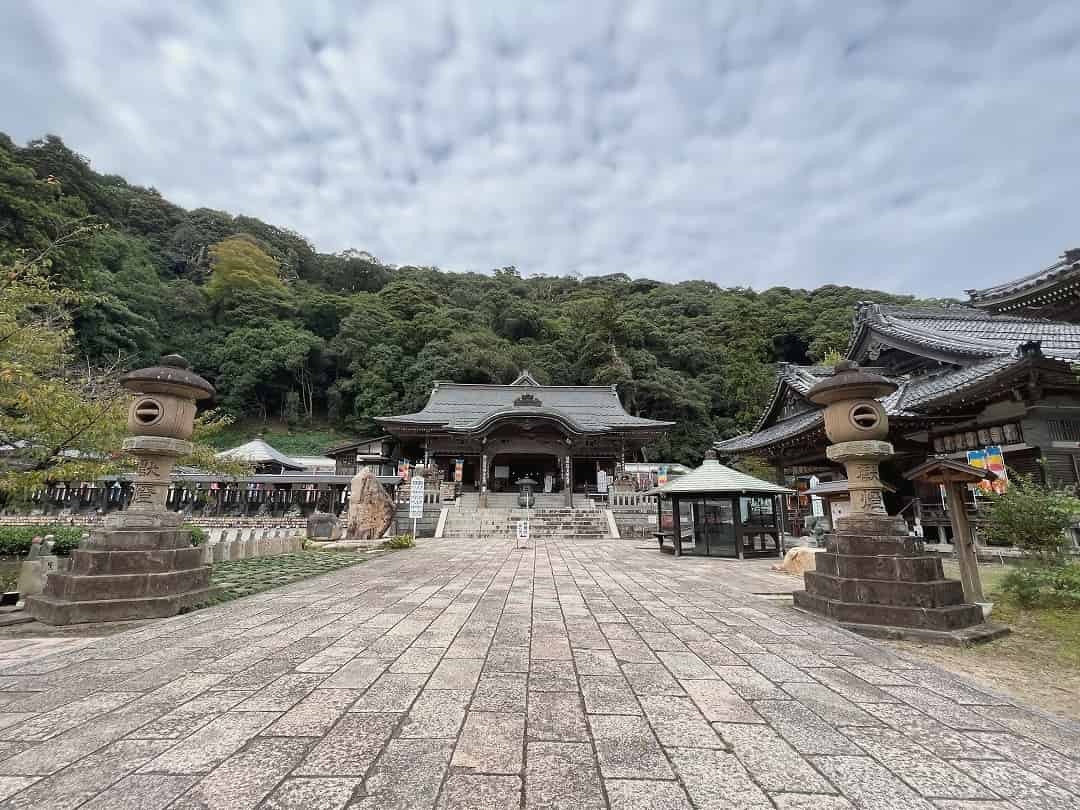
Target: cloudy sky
921, 146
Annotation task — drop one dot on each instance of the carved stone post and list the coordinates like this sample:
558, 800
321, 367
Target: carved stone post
141, 564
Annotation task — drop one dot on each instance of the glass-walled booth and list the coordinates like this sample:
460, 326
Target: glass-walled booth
715, 511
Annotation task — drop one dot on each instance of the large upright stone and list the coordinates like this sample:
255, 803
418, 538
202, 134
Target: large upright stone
371, 511
141, 564
873, 578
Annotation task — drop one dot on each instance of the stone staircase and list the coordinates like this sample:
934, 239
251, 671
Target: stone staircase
545, 522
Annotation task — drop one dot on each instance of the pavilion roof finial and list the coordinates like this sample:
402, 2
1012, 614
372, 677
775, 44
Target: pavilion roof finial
525, 378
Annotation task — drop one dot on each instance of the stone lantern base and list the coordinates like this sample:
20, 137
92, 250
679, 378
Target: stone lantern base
876, 580
124, 574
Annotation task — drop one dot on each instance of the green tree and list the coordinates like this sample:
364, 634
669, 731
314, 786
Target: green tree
239, 268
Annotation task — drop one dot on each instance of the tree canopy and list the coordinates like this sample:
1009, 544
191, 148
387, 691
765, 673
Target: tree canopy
273, 323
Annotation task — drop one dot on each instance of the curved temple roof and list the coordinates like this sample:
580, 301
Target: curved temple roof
1017, 293
461, 407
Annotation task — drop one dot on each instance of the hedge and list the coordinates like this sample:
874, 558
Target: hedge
16, 540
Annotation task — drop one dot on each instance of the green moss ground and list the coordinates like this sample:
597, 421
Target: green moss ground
245, 577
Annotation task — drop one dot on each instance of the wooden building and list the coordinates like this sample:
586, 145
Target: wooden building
568, 438
1053, 292
967, 379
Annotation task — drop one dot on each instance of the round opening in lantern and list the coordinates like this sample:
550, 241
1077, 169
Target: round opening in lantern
147, 412
865, 417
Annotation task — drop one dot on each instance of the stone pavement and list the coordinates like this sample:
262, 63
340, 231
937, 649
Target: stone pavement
577, 674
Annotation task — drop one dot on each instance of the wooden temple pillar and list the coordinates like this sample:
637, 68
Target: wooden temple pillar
676, 526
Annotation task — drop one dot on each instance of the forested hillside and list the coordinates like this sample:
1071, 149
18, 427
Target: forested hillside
286, 332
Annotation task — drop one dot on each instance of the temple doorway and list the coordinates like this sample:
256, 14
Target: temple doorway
508, 468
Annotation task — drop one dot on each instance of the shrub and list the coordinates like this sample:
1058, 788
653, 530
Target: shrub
399, 541
1033, 517
16, 540
198, 536
1044, 586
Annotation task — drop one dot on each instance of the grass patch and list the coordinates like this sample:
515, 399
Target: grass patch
238, 578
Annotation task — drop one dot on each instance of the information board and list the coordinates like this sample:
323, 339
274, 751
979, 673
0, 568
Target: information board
416, 497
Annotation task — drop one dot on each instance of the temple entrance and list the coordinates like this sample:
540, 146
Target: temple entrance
508, 468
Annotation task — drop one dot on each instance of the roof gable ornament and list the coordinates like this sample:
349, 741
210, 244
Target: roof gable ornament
527, 401
525, 378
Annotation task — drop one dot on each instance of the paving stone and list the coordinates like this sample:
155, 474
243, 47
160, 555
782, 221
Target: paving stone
464, 791
677, 722
359, 673
608, 694
719, 702
50, 724
312, 793
776, 668
715, 654
283, 693
329, 660
436, 713
810, 801
10, 785
807, 733
551, 648
212, 744
247, 777
556, 716
351, 746
141, 792
314, 715
491, 742
390, 693
852, 687
425, 763
772, 763
626, 748
834, 708
750, 684
632, 651
456, 673
596, 662
663, 641
507, 659
187, 718
73, 786
1032, 756
1036, 726
562, 776
716, 780
645, 794
651, 679
928, 774
500, 692
551, 676
868, 784
417, 660
940, 740
943, 709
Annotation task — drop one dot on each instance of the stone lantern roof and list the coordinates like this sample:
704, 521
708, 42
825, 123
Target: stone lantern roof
172, 375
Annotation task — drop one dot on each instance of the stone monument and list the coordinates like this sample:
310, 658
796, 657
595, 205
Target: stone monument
371, 511
872, 577
141, 564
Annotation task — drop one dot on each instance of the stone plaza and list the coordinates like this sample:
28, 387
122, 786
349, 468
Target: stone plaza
577, 673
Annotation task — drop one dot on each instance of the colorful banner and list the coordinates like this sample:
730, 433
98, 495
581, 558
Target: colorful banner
404, 470
661, 476
459, 469
995, 463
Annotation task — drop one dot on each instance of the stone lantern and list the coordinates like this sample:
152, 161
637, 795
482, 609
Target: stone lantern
141, 564
873, 577
857, 425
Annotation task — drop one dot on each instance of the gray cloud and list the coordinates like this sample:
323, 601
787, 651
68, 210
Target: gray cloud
919, 147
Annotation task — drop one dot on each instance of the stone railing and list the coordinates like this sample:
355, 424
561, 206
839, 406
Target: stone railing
223, 545
639, 500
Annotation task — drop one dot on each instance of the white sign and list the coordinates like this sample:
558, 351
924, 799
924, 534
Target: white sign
816, 507
601, 482
523, 530
416, 497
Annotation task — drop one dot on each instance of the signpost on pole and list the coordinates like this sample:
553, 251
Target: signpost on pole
416, 500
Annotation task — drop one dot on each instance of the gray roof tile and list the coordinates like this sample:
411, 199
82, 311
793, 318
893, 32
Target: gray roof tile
586, 408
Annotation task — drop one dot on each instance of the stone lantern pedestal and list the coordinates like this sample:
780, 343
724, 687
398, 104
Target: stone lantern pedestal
873, 578
141, 564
